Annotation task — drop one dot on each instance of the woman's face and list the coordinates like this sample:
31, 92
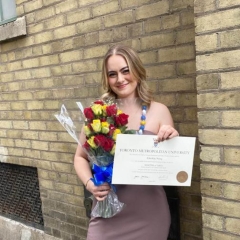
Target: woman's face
120, 80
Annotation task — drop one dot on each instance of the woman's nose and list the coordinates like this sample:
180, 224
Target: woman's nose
120, 77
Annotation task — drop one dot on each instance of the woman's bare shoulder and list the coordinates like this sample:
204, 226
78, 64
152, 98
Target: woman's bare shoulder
159, 107
161, 112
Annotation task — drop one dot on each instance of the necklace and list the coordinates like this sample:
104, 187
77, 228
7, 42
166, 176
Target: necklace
143, 119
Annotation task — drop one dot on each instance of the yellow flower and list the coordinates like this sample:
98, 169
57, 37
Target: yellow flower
91, 142
104, 107
87, 130
112, 152
97, 109
105, 127
96, 125
119, 112
115, 133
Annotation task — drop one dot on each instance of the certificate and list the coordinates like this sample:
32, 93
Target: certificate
139, 160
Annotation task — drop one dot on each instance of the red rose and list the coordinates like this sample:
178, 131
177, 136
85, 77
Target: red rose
111, 129
121, 119
108, 144
99, 140
88, 113
99, 102
111, 110
104, 142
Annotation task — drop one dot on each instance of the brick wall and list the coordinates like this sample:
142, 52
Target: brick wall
61, 59
218, 74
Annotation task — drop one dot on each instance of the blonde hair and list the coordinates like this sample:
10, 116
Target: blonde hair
136, 69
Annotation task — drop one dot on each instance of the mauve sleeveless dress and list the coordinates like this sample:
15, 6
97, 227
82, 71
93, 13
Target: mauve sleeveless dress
146, 216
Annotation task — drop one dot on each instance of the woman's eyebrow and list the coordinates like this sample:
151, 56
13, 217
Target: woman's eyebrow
112, 71
124, 68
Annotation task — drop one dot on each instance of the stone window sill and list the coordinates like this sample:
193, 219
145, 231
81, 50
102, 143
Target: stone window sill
13, 29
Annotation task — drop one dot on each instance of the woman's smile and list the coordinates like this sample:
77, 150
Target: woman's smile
122, 86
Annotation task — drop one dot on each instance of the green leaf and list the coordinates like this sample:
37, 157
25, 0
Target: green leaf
110, 120
130, 131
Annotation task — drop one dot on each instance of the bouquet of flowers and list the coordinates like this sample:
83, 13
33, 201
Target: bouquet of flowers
103, 122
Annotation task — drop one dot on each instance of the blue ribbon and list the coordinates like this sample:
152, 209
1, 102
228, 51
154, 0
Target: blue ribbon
102, 175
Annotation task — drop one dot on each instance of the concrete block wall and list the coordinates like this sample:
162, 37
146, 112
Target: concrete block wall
60, 59
14, 230
218, 85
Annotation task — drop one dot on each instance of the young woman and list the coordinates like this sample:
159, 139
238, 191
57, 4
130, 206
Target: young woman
146, 215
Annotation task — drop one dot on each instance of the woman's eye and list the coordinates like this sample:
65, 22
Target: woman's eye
111, 75
125, 71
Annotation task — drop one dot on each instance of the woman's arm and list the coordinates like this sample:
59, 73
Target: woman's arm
82, 166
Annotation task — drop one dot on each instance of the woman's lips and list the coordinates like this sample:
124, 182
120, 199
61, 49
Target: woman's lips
122, 86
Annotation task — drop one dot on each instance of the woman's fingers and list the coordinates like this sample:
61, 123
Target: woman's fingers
101, 192
100, 196
167, 132
174, 134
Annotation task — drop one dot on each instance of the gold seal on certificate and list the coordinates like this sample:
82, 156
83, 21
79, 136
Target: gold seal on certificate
182, 176
139, 160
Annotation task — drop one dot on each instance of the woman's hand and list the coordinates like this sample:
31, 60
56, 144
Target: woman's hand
166, 132
99, 192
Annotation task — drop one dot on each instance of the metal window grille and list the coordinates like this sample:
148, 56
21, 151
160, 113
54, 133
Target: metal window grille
19, 194
7, 11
